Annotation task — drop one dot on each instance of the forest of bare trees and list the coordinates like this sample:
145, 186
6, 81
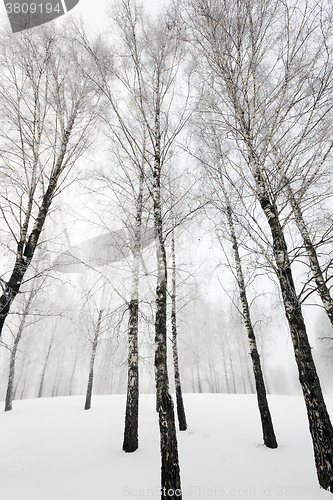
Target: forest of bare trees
166, 212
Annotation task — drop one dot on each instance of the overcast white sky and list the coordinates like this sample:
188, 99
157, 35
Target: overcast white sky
93, 11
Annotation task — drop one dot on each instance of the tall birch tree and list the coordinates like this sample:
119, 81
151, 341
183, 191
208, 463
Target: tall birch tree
49, 108
265, 61
147, 74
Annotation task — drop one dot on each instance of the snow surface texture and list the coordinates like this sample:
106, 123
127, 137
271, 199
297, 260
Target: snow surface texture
51, 449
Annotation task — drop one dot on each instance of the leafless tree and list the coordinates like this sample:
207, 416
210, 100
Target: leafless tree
266, 64
155, 70
213, 161
267, 425
48, 109
148, 75
45, 365
92, 360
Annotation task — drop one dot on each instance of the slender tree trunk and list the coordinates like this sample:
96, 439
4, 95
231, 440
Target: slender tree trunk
170, 470
11, 376
24, 371
266, 419
179, 396
226, 378
212, 372
58, 375
212, 381
130, 442
87, 405
72, 374
198, 373
231, 366
41, 385
55, 383
193, 384
319, 420
10, 385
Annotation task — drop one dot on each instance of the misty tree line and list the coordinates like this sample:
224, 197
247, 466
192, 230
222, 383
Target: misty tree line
214, 119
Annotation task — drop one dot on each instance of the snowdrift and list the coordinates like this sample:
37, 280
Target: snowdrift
51, 449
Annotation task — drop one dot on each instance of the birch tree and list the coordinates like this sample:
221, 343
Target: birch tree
46, 364
155, 82
48, 109
132, 404
127, 137
148, 76
213, 161
265, 62
94, 345
156, 54
266, 419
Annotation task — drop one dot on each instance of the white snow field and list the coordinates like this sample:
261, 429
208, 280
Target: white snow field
51, 449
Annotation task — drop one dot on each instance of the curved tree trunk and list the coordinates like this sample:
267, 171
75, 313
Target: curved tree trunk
179, 396
266, 419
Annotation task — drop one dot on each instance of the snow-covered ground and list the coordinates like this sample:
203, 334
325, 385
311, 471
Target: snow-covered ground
51, 449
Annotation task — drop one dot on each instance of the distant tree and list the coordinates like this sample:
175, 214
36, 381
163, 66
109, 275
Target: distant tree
92, 360
46, 364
